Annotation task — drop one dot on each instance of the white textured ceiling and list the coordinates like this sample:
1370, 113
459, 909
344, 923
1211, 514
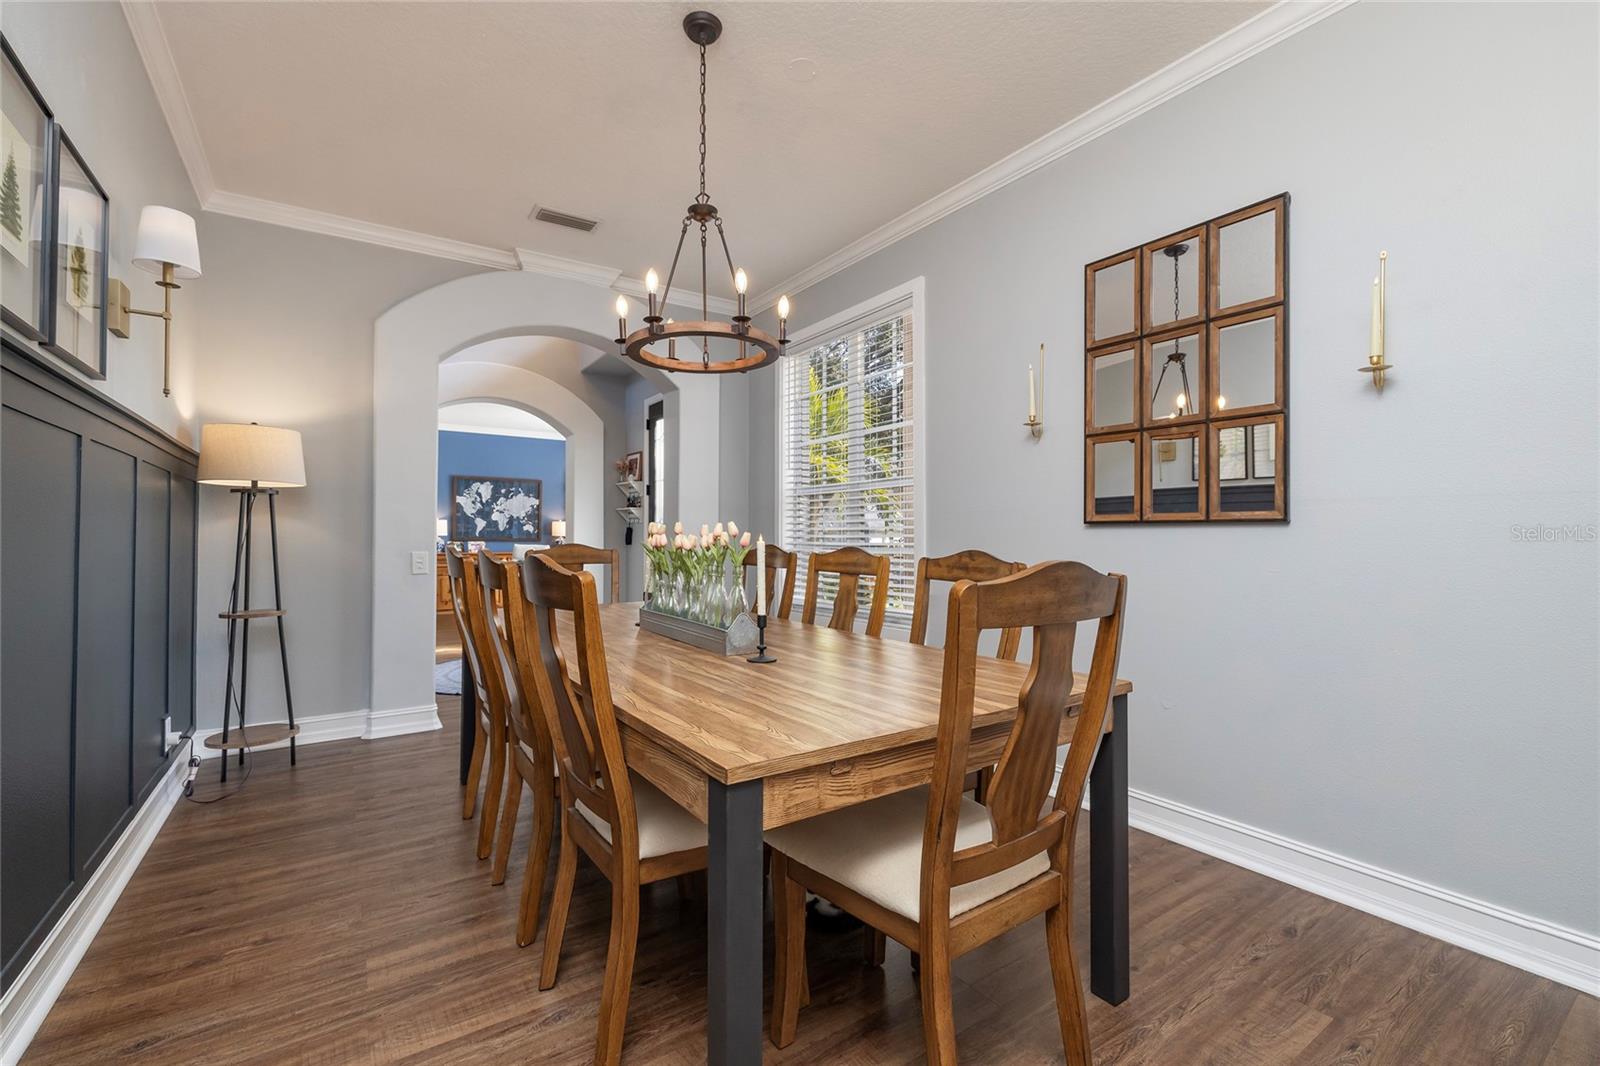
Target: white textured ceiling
454, 119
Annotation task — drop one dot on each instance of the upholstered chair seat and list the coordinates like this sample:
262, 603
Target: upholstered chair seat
875, 849
664, 827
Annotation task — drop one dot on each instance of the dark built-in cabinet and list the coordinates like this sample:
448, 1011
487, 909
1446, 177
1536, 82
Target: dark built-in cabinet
97, 624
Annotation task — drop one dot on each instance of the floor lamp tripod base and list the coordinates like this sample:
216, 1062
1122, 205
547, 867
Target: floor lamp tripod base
239, 615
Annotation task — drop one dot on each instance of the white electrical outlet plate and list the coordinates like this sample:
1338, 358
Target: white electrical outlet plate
419, 563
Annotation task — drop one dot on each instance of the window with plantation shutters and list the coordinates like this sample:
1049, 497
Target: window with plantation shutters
846, 447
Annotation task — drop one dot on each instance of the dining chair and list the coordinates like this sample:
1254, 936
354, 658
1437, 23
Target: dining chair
932, 868
466, 601
969, 565
777, 559
851, 565
532, 762
578, 556
628, 828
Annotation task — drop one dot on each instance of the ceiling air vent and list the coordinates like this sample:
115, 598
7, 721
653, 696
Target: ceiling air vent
561, 218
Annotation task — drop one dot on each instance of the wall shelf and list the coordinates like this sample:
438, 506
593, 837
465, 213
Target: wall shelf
632, 515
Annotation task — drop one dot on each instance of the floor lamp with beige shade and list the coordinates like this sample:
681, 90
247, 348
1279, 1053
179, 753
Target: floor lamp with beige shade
252, 461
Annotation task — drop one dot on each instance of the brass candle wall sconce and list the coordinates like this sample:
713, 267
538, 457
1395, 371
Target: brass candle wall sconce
1035, 422
1377, 366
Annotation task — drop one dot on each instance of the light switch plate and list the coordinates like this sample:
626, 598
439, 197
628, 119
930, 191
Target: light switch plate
419, 563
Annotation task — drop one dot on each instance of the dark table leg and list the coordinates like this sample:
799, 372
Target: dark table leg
469, 718
733, 924
1108, 862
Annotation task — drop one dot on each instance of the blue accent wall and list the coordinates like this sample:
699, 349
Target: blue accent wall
492, 455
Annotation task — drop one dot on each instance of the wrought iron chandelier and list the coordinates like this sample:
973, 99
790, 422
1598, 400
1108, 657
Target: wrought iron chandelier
750, 347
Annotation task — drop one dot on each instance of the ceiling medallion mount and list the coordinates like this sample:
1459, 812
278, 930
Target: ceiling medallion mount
749, 347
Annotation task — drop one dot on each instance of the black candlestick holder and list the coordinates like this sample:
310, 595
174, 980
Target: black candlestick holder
761, 655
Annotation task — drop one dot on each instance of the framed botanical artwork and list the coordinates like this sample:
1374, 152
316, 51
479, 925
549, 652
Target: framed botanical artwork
27, 134
495, 508
78, 315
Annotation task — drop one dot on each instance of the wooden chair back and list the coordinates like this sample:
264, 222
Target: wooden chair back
1050, 599
578, 556
969, 565
462, 568
581, 719
499, 580
851, 564
777, 559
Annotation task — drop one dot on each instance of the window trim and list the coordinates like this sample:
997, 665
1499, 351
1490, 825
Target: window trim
809, 337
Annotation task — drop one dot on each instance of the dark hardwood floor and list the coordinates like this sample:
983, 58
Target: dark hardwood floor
335, 914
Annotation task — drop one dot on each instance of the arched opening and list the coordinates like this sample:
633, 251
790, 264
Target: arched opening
543, 344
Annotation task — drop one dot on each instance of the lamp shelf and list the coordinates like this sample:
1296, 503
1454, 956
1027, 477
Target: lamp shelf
252, 736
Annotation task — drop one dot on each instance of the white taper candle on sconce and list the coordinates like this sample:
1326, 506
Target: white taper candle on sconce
1033, 411
1376, 347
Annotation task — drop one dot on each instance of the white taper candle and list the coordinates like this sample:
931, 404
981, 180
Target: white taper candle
761, 576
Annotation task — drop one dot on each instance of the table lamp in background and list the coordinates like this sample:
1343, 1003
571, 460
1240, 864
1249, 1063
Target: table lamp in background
558, 530
253, 461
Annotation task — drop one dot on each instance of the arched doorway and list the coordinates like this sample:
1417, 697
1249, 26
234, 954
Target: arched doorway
411, 341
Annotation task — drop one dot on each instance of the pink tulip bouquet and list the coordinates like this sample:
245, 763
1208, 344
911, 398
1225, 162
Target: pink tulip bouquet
690, 573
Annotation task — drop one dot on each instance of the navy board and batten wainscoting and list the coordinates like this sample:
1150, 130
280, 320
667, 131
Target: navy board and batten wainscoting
97, 580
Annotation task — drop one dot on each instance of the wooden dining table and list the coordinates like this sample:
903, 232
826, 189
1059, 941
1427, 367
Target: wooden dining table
839, 719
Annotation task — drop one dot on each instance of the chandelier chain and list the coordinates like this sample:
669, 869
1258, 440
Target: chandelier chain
702, 198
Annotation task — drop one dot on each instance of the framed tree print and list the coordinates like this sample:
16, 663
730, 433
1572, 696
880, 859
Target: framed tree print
78, 315
27, 133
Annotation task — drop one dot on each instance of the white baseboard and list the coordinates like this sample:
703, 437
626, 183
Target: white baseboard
1563, 955
313, 730
368, 725
34, 992
401, 720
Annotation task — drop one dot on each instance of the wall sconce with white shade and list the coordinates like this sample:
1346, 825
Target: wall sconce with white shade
166, 246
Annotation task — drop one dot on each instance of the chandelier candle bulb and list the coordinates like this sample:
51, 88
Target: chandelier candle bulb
622, 316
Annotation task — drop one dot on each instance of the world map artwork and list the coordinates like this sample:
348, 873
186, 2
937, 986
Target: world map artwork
495, 508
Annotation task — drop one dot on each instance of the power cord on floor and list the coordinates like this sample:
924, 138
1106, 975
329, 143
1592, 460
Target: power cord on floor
247, 757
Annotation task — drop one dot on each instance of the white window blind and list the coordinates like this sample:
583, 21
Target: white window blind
847, 437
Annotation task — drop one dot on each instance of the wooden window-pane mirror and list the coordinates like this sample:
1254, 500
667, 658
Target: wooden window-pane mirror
1112, 389
1174, 378
1206, 438
1247, 257
1174, 474
1111, 300
1111, 478
1246, 353
1174, 276
1247, 470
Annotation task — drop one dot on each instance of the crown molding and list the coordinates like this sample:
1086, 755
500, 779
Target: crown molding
150, 38
1275, 24
556, 266
304, 218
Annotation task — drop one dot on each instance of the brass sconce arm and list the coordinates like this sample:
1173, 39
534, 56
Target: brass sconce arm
120, 310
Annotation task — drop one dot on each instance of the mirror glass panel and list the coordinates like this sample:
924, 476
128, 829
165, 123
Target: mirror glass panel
1247, 466
1114, 300
1247, 260
1114, 476
1175, 475
1174, 373
1172, 280
1247, 364
1114, 389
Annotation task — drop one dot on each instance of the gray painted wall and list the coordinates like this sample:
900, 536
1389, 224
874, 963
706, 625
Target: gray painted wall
1394, 676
